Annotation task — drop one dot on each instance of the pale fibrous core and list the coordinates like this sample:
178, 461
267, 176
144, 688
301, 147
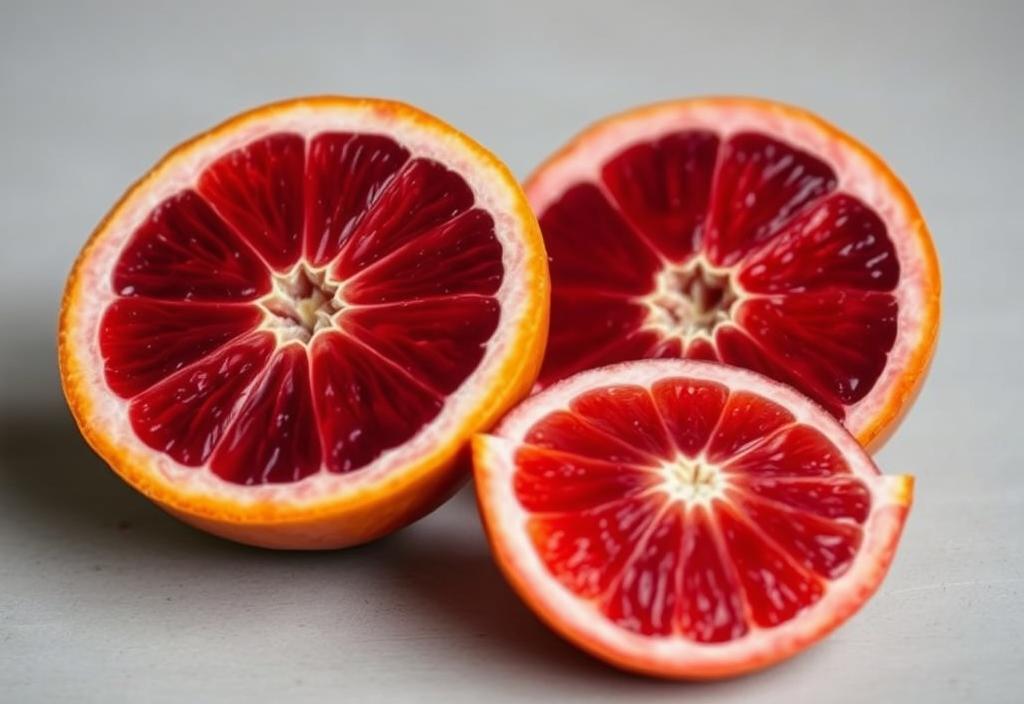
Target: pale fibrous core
692, 481
301, 303
690, 301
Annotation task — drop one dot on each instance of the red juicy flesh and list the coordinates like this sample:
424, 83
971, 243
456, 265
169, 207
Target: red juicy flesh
760, 184
184, 251
862, 259
258, 190
418, 265
589, 328
690, 410
145, 340
186, 414
274, 436
588, 560
459, 256
664, 187
344, 175
789, 522
422, 195
435, 342
591, 247
817, 266
365, 402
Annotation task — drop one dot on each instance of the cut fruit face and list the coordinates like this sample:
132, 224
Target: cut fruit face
289, 328
746, 232
686, 519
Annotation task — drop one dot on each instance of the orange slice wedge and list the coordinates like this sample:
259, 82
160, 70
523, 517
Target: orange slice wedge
686, 519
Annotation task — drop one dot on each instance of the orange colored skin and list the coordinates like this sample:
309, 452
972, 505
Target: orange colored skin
409, 491
904, 391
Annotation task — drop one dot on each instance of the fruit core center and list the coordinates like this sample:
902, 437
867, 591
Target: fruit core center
301, 303
692, 481
690, 301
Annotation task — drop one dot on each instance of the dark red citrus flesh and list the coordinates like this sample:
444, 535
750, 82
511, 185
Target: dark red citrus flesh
786, 519
417, 267
816, 266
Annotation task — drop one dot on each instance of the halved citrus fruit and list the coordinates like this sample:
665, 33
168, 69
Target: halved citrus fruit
747, 232
286, 332
683, 518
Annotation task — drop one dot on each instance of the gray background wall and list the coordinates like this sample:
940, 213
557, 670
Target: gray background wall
103, 598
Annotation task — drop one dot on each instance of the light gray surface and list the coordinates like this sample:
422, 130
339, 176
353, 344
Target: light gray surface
104, 598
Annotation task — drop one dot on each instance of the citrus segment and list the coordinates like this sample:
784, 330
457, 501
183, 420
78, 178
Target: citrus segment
184, 251
690, 409
461, 257
583, 220
288, 329
710, 607
663, 187
258, 190
345, 172
759, 184
274, 437
433, 340
807, 256
746, 232
366, 402
726, 525
185, 416
421, 196
144, 341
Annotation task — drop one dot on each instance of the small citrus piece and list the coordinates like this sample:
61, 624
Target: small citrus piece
686, 519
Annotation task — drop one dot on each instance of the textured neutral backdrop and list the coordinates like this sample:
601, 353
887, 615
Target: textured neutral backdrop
104, 598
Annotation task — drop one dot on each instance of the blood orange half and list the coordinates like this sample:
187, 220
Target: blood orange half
289, 328
746, 232
686, 519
